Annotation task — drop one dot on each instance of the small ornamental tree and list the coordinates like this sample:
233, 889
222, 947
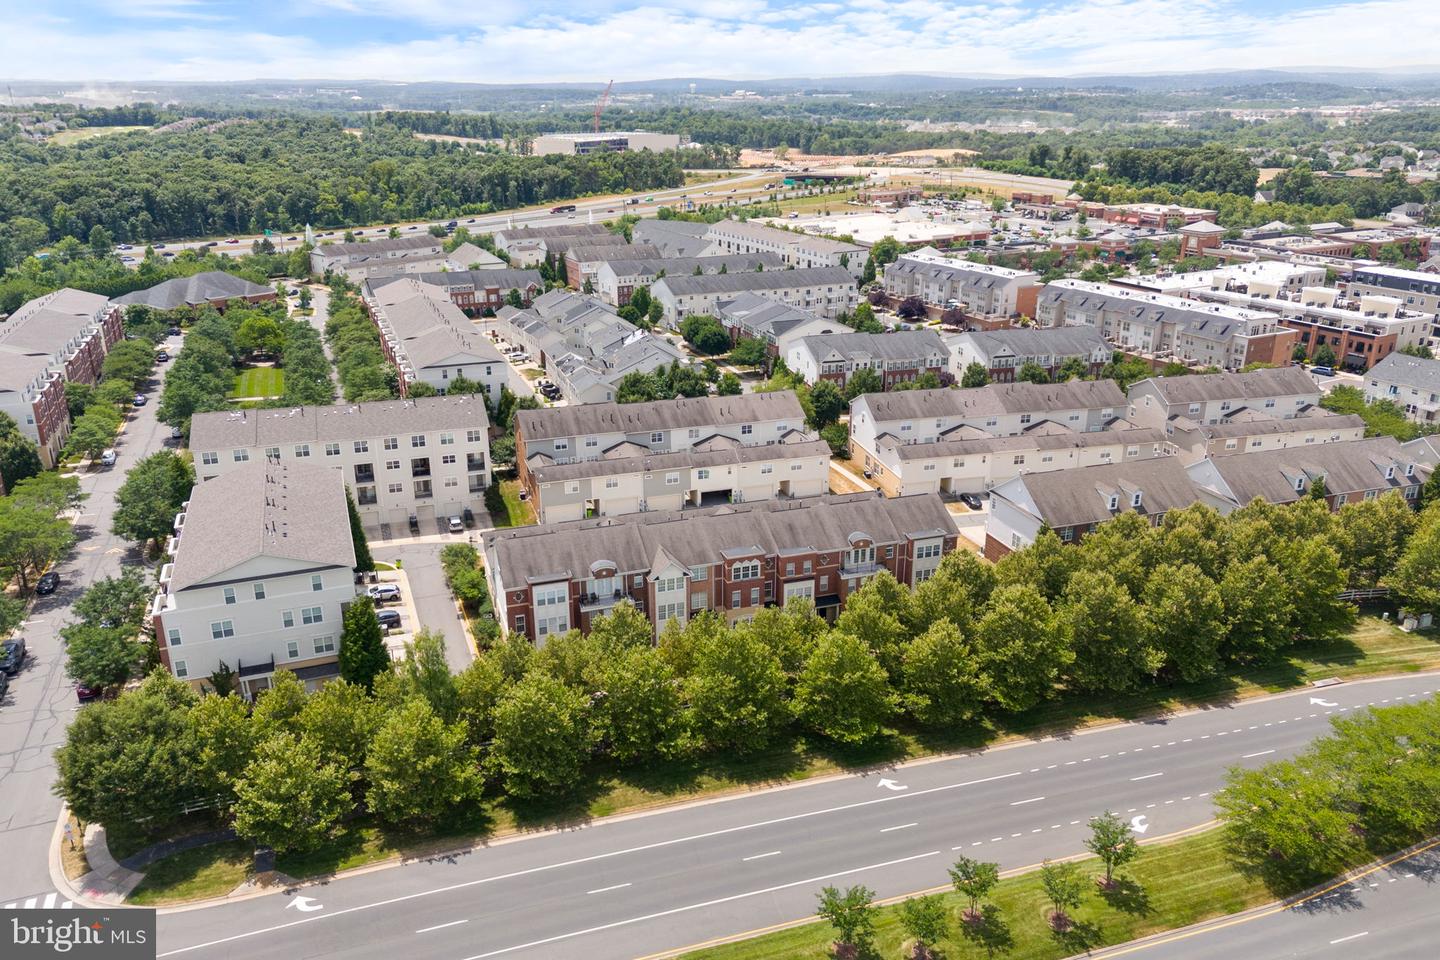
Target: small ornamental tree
1065, 888
852, 914
363, 656
1113, 842
923, 920
973, 880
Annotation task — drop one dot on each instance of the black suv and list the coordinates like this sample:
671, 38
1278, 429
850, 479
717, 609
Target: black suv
47, 583
12, 655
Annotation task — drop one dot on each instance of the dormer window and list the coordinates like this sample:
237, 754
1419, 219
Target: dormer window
1135, 499
1409, 469
1299, 484
1390, 472
1114, 501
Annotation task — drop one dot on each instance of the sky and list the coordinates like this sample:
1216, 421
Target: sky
509, 41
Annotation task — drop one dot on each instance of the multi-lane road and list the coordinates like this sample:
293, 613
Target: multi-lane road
41, 700
637, 885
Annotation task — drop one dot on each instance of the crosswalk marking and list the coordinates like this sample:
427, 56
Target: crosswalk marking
51, 901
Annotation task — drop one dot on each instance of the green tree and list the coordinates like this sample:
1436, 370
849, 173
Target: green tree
1324, 356
290, 797
1258, 611
1111, 649
852, 914
542, 737
31, 539
1032, 373
1415, 579
129, 759
419, 767
277, 708
975, 375
1047, 564
478, 688
362, 655
1184, 618
728, 385
826, 404
340, 720
1112, 840
873, 615
364, 562
101, 657
116, 601
93, 433
842, 692
1064, 888
222, 741
944, 685
749, 352
131, 362
153, 492
735, 688
923, 920
1023, 647
1371, 537
864, 380
640, 716
427, 674
19, 457
973, 880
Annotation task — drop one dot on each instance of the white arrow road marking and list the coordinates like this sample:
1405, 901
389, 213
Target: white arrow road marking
889, 784
304, 905
1138, 824
1322, 702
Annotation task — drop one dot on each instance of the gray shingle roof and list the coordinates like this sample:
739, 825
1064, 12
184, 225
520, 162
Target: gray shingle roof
702, 536
628, 461
900, 345
290, 510
1034, 341
194, 290
594, 253
1411, 371
994, 399
766, 280
376, 247
676, 238
1068, 498
228, 430
685, 266
503, 280
1348, 467
1195, 388
596, 418
972, 440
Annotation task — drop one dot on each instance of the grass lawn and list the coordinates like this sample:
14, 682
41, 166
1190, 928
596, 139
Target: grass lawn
197, 874
259, 382
532, 373
67, 137
1172, 885
518, 513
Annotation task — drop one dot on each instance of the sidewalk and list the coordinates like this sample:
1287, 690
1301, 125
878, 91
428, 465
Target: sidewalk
108, 883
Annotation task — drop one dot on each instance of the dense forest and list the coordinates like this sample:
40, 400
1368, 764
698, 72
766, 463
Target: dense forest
281, 173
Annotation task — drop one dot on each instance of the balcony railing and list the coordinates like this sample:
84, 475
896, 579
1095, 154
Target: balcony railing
600, 601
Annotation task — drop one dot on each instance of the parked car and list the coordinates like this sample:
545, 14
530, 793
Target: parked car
173, 331
232, 240
47, 583
469, 516
1323, 371
12, 655
177, 434
138, 400
972, 501
414, 523
86, 694
162, 356
389, 619
108, 458
456, 525
383, 591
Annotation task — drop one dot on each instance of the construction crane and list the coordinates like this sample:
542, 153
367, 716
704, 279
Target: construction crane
600, 104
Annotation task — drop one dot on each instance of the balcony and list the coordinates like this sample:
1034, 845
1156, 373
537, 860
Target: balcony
474, 463
365, 474
600, 601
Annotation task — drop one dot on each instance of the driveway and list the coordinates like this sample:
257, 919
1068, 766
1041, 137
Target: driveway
41, 699
429, 596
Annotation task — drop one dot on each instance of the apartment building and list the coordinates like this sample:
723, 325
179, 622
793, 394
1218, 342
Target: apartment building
988, 295
584, 347
777, 325
378, 257
1074, 503
733, 559
1282, 392
50, 341
428, 457
966, 459
826, 291
1347, 472
212, 288
1165, 328
1249, 431
1420, 291
475, 291
1000, 409
429, 339
899, 357
259, 574
527, 246
616, 280
1412, 383
583, 261
597, 434
1003, 352
798, 250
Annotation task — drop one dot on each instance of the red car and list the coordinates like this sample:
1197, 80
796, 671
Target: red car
86, 694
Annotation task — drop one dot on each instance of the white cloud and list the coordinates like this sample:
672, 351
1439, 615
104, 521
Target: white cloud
502, 41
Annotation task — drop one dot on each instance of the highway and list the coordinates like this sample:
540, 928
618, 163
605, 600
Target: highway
1389, 914
635, 885
41, 700
748, 187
